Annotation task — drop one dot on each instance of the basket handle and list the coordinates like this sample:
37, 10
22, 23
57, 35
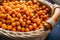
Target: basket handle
53, 20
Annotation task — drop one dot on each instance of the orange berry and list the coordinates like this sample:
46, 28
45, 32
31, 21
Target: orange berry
16, 2
4, 26
17, 9
7, 21
18, 28
23, 23
40, 12
40, 8
9, 3
44, 13
36, 14
37, 28
21, 2
34, 17
22, 11
47, 9
17, 23
21, 7
24, 20
3, 21
41, 26
35, 20
26, 25
3, 10
30, 27
44, 7
16, 19
41, 16
13, 15
24, 16
45, 16
9, 27
28, 17
27, 30
9, 17
14, 29
29, 2
1, 15
35, 2
27, 13
31, 14
13, 24
19, 15
13, 10
12, 19
23, 29
38, 22
20, 20
10, 12
34, 25
28, 22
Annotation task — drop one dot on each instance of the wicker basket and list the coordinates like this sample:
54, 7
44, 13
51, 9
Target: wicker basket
40, 34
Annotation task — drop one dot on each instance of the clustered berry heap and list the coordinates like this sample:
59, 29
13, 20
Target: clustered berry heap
23, 16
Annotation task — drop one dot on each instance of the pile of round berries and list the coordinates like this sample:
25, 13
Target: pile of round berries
23, 16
